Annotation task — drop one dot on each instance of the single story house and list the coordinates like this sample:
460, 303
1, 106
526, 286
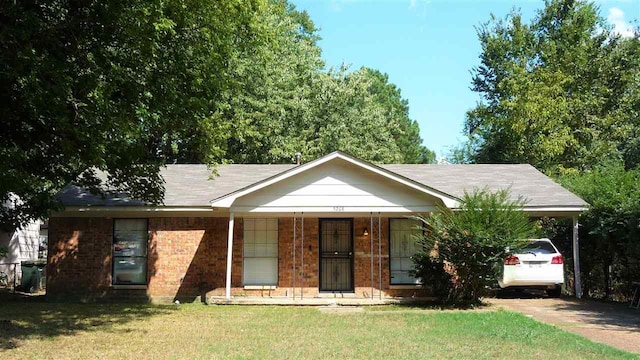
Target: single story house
335, 225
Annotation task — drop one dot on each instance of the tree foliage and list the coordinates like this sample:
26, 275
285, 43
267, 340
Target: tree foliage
117, 86
610, 232
473, 240
126, 87
288, 103
556, 92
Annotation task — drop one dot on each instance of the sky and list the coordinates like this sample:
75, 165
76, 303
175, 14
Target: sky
427, 48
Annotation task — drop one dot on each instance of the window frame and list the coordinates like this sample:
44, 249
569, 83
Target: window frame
113, 256
276, 256
391, 283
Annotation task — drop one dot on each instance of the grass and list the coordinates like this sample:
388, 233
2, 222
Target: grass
41, 330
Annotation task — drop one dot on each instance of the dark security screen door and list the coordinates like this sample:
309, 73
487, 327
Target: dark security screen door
336, 255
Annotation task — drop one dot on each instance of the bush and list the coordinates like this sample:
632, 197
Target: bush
472, 241
432, 272
3, 252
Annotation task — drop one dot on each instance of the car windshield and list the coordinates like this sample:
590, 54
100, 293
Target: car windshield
538, 247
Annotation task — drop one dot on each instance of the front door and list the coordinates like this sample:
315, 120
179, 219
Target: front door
336, 255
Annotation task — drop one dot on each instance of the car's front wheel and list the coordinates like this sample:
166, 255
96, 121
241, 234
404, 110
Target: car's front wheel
555, 292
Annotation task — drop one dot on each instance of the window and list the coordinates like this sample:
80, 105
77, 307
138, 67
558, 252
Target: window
539, 247
260, 252
403, 247
129, 251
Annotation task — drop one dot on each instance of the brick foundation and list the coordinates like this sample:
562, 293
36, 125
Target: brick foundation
187, 260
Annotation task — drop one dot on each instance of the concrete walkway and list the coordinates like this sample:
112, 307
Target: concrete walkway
609, 323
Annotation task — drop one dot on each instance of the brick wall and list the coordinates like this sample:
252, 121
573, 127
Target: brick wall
187, 259
188, 256
79, 257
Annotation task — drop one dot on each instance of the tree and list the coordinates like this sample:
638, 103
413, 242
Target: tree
610, 233
122, 87
551, 89
473, 240
271, 112
405, 131
289, 103
106, 87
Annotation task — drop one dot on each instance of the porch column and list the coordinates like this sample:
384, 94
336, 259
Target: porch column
576, 259
371, 244
229, 256
380, 257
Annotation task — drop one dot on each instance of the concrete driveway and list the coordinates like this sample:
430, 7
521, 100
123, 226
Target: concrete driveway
609, 323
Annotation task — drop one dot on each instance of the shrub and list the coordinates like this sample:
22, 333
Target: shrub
473, 241
432, 272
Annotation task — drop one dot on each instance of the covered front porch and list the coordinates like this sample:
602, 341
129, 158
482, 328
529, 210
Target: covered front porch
325, 257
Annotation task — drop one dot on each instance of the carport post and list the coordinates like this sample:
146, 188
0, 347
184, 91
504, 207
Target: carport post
229, 257
576, 259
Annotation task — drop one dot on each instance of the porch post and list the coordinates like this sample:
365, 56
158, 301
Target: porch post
293, 254
371, 243
379, 257
229, 256
302, 257
576, 259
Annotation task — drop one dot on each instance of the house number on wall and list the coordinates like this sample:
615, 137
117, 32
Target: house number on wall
338, 208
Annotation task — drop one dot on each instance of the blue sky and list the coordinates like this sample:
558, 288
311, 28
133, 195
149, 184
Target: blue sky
428, 49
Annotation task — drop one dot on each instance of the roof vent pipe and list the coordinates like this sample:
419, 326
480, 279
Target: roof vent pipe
298, 158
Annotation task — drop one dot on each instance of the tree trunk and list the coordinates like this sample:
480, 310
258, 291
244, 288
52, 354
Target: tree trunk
607, 278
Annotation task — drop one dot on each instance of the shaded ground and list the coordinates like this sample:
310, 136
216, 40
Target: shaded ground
609, 323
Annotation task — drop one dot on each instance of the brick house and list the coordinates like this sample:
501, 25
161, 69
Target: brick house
335, 225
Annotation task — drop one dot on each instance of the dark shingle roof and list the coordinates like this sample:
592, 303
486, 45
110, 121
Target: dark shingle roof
194, 185
185, 185
522, 179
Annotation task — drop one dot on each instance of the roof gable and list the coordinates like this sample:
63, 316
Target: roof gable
336, 186
228, 200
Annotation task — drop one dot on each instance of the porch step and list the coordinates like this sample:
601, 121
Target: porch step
335, 295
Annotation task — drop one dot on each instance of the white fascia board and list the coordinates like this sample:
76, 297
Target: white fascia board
556, 211
552, 211
557, 208
227, 200
126, 211
136, 208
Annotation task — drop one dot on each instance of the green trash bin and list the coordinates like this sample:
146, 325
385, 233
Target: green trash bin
33, 275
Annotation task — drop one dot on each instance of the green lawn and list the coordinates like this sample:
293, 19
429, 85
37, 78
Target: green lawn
40, 330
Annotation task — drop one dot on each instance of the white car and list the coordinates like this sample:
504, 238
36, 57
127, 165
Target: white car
537, 265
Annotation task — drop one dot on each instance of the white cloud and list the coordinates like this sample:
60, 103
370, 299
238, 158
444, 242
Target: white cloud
412, 4
620, 25
335, 6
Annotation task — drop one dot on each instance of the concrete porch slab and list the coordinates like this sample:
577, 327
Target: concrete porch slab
313, 301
